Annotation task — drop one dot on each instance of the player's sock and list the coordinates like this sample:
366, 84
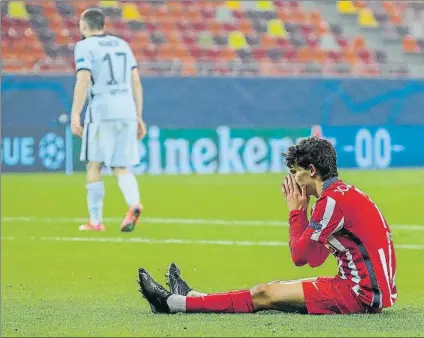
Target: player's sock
194, 293
177, 303
129, 187
232, 302
95, 195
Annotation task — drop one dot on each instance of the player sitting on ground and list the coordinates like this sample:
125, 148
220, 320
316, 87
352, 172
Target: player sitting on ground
107, 74
344, 222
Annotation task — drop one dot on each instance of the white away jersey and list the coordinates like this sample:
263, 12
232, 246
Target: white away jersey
110, 61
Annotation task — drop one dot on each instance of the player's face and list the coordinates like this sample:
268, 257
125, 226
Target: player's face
304, 176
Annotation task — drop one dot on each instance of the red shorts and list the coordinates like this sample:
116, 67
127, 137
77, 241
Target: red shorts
327, 296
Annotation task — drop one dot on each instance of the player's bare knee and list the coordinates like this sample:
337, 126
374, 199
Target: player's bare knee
93, 172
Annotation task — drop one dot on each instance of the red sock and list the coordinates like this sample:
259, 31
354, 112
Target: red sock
232, 302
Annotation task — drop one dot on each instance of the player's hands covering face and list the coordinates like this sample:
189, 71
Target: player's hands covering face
296, 198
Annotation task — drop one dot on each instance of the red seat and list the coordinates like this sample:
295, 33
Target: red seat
365, 56
282, 42
207, 13
189, 38
195, 52
150, 51
289, 53
199, 26
259, 53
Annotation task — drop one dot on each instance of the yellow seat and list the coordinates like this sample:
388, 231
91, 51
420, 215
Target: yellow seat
265, 6
17, 10
237, 40
130, 12
367, 19
109, 3
233, 4
276, 28
346, 7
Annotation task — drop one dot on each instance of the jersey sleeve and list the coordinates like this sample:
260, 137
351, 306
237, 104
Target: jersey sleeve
326, 219
82, 56
303, 250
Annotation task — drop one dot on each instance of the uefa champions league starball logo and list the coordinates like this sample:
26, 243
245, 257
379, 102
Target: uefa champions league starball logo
52, 151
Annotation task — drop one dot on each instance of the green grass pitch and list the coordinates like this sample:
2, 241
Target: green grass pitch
56, 281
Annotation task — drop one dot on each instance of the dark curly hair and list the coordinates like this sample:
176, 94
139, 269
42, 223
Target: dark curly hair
318, 152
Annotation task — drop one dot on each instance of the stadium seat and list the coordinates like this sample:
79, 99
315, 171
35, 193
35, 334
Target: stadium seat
328, 42
350, 56
410, 45
130, 12
224, 14
360, 4
237, 40
233, 5
276, 28
366, 18
205, 40
186, 34
358, 43
265, 6
109, 3
17, 10
395, 19
346, 7
315, 18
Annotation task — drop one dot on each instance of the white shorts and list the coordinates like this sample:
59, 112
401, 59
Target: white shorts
112, 143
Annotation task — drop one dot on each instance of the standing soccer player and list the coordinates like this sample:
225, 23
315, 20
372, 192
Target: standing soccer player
107, 75
344, 222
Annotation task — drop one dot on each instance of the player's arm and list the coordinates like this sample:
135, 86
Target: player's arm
83, 62
83, 80
137, 88
302, 250
308, 246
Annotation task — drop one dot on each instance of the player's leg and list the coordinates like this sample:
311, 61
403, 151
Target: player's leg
288, 298
95, 187
324, 295
95, 195
125, 155
129, 187
282, 296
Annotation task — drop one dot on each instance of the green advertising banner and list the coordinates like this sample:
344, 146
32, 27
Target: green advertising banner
207, 151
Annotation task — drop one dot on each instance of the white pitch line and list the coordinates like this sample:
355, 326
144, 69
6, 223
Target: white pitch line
188, 221
176, 241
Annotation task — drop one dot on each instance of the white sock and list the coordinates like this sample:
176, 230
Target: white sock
95, 195
194, 293
129, 187
177, 303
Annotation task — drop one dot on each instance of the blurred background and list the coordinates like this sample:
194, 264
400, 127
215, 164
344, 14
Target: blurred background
261, 72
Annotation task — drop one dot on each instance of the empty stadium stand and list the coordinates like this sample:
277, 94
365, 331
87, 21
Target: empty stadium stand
260, 38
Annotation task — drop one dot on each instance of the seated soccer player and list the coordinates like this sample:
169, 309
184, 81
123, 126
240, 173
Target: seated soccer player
344, 222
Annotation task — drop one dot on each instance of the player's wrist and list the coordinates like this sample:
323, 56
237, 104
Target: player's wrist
75, 118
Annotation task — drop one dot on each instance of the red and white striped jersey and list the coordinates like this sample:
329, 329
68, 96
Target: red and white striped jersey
351, 226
